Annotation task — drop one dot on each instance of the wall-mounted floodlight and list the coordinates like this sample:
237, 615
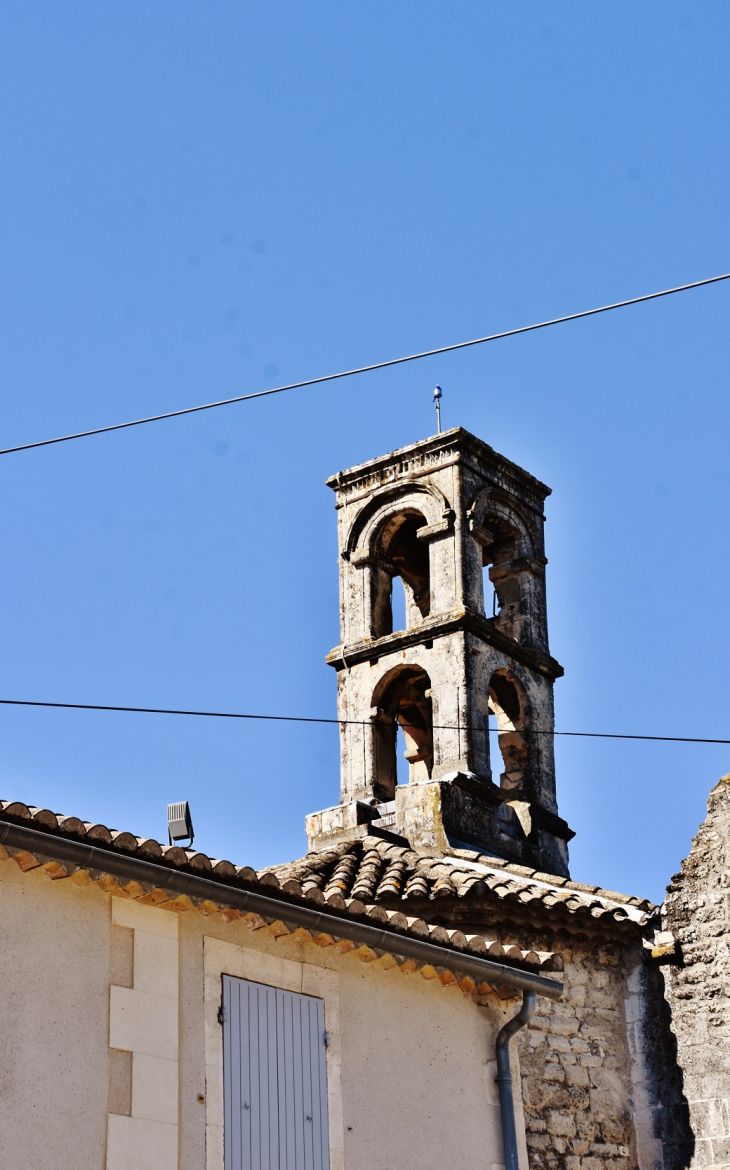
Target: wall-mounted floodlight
179, 822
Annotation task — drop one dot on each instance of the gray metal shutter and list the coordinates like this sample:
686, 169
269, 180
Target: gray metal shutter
274, 1079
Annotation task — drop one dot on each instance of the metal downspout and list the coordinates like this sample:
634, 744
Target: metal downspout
504, 1077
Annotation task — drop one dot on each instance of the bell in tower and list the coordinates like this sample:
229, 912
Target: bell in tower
457, 531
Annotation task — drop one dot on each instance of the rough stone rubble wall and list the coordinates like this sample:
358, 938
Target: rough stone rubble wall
577, 1068
697, 989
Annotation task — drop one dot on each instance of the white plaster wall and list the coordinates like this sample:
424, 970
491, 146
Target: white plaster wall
54, 1002
410, 1063
417, 1074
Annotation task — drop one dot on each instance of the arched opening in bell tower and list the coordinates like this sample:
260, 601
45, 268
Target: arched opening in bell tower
402, 702
398, 605
403, 593
507, 703
502, 585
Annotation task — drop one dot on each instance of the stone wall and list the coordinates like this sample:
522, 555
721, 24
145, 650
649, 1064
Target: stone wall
576, 1067
660, 1097
697, 986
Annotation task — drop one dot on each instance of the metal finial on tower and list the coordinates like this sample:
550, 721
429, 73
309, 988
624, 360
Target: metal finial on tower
437, 399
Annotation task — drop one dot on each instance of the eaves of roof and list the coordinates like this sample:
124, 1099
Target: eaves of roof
181, 879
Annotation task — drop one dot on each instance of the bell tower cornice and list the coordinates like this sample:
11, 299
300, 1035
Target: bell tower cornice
463, 619
421, 459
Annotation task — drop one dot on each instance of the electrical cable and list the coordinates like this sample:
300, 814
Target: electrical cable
364, 369
357, 722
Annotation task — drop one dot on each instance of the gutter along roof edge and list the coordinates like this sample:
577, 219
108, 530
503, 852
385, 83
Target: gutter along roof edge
88, 856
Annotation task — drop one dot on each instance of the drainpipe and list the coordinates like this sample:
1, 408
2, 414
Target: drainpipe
504, 1077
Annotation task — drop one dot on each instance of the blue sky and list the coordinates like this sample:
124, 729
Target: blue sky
205, 200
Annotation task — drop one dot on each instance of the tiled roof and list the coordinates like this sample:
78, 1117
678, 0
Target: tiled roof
348, 882
389, 874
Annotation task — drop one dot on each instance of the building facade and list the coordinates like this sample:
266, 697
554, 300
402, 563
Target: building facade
164, 1010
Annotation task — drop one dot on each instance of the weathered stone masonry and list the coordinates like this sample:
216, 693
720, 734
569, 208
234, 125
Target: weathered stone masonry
576, 1069
697, 982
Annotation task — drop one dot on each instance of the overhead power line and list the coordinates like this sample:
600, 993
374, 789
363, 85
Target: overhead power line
358, 722
365, 369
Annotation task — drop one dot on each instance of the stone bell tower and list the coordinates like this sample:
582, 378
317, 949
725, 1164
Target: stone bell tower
462, 529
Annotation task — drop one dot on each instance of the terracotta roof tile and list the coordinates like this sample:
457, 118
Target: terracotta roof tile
123, 841
45, 817
16, 809
223, 868
74, 825
407, 876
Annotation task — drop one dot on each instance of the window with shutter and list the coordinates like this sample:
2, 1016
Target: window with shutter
274, 1078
